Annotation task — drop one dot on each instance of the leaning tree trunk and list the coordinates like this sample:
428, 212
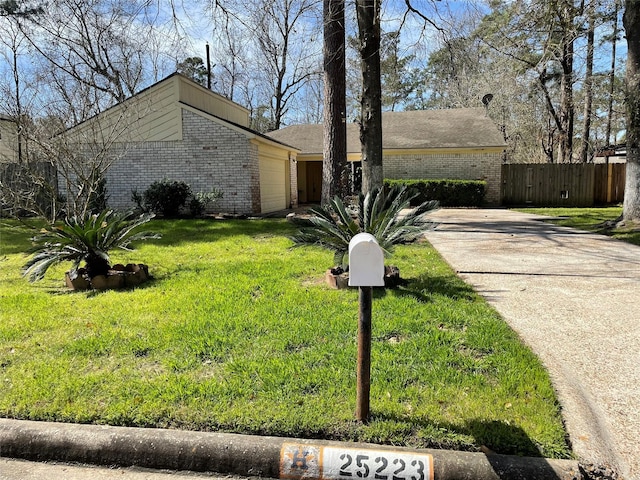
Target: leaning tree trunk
335, 170
368, 13
631, 21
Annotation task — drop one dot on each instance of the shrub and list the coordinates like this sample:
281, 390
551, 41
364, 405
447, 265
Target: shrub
166, 197
382, 213
87, 238
449, 193
201, 200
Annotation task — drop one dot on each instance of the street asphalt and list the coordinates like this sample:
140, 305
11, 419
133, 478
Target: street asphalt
573, 298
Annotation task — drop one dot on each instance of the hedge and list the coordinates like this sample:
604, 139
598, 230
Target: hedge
450, 193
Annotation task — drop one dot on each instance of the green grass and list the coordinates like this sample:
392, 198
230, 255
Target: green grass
238, 333
589, 219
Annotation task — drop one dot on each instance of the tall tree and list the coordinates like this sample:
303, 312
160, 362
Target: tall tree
278, 26
231, 77
631, 22
368, 15
335, 173
398, 77
195, 69
612, 72
588, 83
541, 36
267, 52
15, 46
566, 13
93, 49
13, 43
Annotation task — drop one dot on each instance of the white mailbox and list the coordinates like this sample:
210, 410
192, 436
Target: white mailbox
366, 262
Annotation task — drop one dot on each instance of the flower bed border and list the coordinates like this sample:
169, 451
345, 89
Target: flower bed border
120, 276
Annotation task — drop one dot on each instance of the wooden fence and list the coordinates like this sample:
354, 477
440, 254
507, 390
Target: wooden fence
609, 187
564, 184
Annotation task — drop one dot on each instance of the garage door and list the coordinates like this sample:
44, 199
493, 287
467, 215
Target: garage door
272, 185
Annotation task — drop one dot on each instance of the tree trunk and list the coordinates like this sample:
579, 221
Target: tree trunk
612, 75
588, 86
566, 92
335, 170
368, 13
631, 22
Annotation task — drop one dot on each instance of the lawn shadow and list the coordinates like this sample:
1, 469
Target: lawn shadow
181, 231
503, 444
500, 437
92, 292
425, 287
15, 236
489, 436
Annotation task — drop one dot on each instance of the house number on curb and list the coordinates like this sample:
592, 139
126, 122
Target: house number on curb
299, 461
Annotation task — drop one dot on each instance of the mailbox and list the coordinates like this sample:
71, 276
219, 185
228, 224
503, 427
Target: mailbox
366, 262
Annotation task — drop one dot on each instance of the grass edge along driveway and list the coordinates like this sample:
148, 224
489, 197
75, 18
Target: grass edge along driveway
238, 333
590, 219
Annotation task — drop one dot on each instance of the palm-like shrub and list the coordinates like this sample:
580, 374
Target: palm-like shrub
385, 214
87, 238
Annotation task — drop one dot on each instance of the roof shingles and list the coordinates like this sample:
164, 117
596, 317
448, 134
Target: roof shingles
416, 129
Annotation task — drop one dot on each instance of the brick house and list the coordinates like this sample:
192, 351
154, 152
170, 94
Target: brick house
179, 130
459, 144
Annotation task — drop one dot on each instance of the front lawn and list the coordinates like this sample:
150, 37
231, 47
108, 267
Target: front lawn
590, 219
238, 333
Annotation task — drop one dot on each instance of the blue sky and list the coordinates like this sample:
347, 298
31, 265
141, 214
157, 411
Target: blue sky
197, 28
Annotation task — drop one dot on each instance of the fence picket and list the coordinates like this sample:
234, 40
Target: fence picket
562, 184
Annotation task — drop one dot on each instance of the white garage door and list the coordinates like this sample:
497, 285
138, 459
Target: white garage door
272, 185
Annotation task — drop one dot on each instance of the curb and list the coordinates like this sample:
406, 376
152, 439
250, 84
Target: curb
246, 455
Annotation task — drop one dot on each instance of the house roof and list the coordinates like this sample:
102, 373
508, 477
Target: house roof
416, 129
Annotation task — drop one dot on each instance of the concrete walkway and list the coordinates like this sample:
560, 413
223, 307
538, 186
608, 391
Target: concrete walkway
574, 298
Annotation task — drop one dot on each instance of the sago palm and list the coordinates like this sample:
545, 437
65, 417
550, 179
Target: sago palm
87, 238
384, 214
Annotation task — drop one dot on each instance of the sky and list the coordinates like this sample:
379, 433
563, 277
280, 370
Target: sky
195, 27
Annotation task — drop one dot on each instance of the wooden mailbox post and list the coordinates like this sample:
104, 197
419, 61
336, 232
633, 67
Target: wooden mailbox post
366, 270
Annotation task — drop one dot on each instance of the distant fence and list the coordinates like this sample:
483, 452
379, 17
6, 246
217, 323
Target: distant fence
562, 184
21, 183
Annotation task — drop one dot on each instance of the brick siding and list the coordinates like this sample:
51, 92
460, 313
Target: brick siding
209, 156
457, 166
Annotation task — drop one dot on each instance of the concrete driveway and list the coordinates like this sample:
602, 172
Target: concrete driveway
574, 298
